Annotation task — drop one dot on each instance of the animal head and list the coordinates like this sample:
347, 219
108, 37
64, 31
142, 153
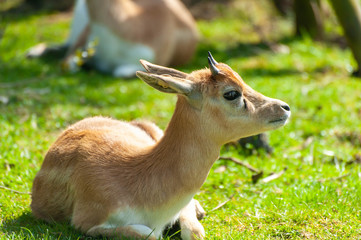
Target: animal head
227, 107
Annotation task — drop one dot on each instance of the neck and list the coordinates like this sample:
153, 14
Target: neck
188, 148
183, 157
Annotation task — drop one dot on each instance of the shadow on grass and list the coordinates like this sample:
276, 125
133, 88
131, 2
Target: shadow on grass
39, 88
24, 12
242, 50
28, 227
274, 73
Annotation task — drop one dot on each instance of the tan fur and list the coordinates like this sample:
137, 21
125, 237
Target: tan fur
100, 167
150, 128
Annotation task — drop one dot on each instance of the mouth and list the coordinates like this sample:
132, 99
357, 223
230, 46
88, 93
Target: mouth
277, 120
281, 120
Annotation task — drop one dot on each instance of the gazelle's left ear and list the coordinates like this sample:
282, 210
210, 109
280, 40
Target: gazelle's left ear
160, 70
167, 83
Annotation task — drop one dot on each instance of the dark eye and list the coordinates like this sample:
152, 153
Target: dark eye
231, 95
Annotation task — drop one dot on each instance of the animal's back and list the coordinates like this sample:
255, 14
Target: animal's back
85, 144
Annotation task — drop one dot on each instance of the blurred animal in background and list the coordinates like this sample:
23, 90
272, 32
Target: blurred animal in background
112, 35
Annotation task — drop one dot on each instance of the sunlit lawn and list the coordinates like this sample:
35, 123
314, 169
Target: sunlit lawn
319, 196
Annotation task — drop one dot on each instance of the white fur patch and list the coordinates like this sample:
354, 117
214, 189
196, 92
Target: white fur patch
112, 52
155, 219
143, 230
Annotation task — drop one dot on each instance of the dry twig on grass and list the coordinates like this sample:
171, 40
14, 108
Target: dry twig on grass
334, 178
222, 204
14, 191
257, 173
274, 176
252, 169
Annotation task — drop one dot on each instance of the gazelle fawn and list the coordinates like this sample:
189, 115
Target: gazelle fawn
161, 31
115, 178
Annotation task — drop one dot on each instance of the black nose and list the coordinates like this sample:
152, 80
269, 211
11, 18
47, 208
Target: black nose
286, 107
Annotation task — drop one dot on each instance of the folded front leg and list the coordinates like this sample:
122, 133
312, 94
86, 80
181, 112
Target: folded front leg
191, 228
135, 231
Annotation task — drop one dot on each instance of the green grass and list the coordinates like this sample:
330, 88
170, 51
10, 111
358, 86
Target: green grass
319, 144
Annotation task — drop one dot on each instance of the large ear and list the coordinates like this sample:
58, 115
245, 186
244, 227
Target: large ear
156, 69
167, 83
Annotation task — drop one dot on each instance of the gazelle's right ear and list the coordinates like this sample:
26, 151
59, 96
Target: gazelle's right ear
167, 83
160, 70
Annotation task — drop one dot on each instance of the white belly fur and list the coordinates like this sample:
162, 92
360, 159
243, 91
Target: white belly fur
155, 219
113, 52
